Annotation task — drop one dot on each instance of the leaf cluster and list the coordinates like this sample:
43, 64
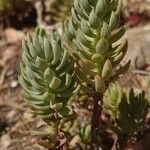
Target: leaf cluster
127, 109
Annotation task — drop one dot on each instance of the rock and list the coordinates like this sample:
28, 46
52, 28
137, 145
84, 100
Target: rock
8, 53
28, 116
75, 140
12, 116
137, 6
14, 84
139, 46
5, 141
13, 35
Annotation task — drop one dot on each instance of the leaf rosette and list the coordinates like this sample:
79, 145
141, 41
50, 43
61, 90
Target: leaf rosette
47, 74
91, 37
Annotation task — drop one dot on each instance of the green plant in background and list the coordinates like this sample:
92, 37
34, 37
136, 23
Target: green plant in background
112, 100
85, 133
59, 9
133, 109
5, 5
128, 109
54, 70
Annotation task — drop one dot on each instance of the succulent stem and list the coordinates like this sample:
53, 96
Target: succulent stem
96, 119
122, 142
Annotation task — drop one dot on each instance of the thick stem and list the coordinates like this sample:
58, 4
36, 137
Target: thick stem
122, 142
96, 119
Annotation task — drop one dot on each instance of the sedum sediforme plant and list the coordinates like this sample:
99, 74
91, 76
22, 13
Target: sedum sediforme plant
47, 77
89, 32
130, 120
51, 73
112, 100
90, 40
52, 70
128, 110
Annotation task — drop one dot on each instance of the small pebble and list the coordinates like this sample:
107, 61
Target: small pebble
5, 141
14, 84
12, 116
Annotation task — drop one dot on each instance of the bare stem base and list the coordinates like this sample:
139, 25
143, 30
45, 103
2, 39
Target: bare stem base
96, 119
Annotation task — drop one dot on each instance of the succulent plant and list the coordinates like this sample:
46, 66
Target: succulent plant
47, 74
5, 5
112, 99
59, 9
91, 41
133, 110
128, 109
90, 56
85, 134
